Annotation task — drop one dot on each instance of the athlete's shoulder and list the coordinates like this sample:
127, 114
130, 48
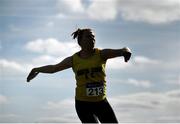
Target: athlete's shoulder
98, 50
75, 54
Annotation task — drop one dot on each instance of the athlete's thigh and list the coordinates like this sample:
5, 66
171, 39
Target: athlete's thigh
84, 113
105, 113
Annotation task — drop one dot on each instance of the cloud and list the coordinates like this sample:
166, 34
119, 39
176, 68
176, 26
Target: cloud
74, 6
102, 10
95, 10
147, 107
10, 65
52, 46
151, 11
144, 60
139, 83
9, 118
133, 82
68, 118
46, 59
3, 99
11, 68
68, 103
117, 63
173, 79
61, 111
173, 94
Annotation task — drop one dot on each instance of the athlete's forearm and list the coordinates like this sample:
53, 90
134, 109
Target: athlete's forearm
45, 69
120, 52
116, 52
111, 53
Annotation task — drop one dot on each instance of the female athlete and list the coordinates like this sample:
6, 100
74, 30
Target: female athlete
89, 67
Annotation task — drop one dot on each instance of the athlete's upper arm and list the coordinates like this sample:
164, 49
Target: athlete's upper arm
111, 53
64, 64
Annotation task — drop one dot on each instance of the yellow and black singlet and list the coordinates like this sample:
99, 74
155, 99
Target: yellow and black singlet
90, 77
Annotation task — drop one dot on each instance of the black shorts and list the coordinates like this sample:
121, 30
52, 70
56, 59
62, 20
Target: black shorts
91, 112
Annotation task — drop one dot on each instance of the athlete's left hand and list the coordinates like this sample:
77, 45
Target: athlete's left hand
32, 74
127, 54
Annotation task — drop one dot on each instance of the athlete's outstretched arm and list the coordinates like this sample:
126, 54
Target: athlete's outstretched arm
112, 53
64, 64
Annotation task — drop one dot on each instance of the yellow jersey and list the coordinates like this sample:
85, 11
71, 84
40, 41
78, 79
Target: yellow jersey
90, 77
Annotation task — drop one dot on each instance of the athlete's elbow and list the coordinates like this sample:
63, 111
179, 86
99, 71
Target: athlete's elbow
56, 69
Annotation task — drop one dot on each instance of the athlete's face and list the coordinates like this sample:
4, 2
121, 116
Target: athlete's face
87, 41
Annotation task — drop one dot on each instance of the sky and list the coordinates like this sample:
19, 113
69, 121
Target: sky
35, 33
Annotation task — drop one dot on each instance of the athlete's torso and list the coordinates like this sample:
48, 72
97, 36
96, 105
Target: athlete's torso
90, 77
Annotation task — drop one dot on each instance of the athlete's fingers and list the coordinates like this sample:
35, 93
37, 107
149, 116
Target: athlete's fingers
31, 75
127, 56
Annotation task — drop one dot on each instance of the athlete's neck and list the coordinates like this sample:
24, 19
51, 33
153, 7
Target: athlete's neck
86, 53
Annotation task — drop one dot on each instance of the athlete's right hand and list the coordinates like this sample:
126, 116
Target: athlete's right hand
32, 74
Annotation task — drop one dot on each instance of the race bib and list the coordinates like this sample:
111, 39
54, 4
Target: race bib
94, 89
